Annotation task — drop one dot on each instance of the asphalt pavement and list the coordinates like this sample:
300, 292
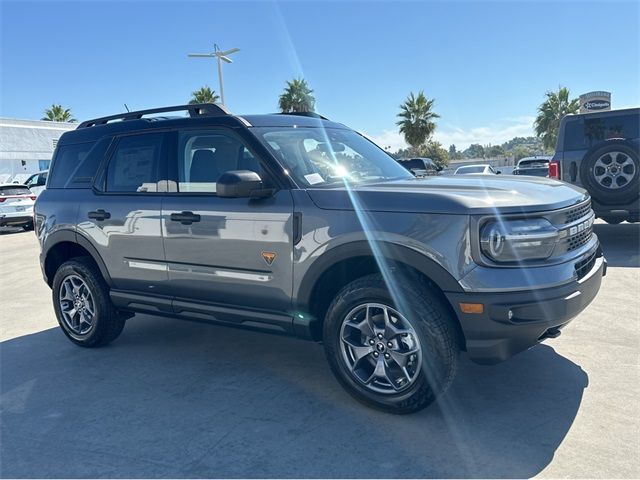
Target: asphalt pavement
180, 399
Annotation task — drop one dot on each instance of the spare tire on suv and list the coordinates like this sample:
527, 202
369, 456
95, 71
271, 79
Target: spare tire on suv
611, 172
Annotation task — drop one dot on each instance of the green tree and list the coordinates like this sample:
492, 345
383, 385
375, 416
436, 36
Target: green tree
521, 151
435, 152
496, 151
57, 113
475, 150
204, 95
417, 119
453, 153
550, 112
297, 97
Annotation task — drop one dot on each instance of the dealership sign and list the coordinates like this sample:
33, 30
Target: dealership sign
595, 102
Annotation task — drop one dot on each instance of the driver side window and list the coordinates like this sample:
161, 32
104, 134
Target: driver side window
203, 156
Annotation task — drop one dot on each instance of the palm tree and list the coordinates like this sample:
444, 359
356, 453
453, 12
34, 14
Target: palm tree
57, 113
297, 97
417, 119
204, 95
550, 112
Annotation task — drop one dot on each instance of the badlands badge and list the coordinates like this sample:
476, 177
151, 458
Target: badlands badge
269, 257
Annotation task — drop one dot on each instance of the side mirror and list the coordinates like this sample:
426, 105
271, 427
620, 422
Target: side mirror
498, 172
241, 184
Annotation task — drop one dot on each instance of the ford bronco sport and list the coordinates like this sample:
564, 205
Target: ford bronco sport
295, 224
599, 152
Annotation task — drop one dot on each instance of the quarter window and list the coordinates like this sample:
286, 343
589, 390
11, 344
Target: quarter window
135, 164
68, 160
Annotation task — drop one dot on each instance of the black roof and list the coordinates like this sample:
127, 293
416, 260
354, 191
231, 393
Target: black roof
199, 115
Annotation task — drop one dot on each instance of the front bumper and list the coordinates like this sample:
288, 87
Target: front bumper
495, 335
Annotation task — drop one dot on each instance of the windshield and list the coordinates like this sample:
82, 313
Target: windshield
329, 156
534, 162
465, 170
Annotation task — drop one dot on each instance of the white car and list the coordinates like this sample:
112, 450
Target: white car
37, 182
20, 178
16, 206
480, 169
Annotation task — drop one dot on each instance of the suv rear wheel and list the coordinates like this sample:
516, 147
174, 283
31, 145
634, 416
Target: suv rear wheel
611, 173
82, 304
396, 355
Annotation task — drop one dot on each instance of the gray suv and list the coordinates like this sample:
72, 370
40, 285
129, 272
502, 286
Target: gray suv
297, 225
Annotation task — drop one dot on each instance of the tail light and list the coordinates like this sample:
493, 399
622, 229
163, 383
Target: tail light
32, 197
554, 170
2, 199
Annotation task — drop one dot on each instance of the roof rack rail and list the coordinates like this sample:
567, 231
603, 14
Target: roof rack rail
305, 114
195, 110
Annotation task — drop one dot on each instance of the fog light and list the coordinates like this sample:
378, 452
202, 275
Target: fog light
510, 314
472, 307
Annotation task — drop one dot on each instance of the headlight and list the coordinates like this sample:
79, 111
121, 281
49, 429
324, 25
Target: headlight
517, 240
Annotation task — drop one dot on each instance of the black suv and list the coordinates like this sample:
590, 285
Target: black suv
298, 225
420, 167
599, 152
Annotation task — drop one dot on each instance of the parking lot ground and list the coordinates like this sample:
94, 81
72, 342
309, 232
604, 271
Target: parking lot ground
180, 399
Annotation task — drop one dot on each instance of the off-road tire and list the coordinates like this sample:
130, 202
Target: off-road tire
430, 318
608, 196
108, 323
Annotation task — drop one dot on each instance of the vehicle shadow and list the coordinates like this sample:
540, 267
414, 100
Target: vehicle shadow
620, 243
178, 399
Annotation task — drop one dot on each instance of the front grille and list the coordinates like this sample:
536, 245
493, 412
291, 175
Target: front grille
578, 240
584, 266
577, 212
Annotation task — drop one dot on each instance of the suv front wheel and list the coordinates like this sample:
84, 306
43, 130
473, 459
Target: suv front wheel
394, 352
82, 304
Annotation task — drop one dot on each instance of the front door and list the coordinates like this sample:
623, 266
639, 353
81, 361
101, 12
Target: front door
229, 252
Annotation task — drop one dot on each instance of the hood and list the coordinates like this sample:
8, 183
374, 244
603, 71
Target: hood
461, 195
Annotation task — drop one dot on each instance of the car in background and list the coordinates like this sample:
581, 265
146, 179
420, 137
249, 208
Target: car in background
481, 169
16, 206
534, 166
599, 152
37, 182
20, 178
420, 167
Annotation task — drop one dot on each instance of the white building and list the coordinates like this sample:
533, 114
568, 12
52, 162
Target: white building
26, 146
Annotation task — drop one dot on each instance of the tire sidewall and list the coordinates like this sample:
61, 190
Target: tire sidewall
78, 268
602, 194
433, 349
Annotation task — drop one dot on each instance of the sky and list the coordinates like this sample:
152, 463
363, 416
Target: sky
486, 64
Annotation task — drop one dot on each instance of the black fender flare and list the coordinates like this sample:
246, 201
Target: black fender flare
362, 248
68, 235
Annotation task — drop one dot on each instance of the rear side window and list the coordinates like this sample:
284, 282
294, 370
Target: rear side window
135, 164
584, 132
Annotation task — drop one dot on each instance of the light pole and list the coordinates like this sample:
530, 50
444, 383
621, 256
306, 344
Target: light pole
220, 56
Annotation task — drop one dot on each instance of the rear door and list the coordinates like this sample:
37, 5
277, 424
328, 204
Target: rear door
233, 252
121, 215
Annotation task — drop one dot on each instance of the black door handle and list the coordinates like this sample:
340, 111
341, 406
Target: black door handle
99, 215
185, 218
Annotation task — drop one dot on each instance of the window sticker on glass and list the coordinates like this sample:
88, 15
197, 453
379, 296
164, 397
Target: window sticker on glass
314, 178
